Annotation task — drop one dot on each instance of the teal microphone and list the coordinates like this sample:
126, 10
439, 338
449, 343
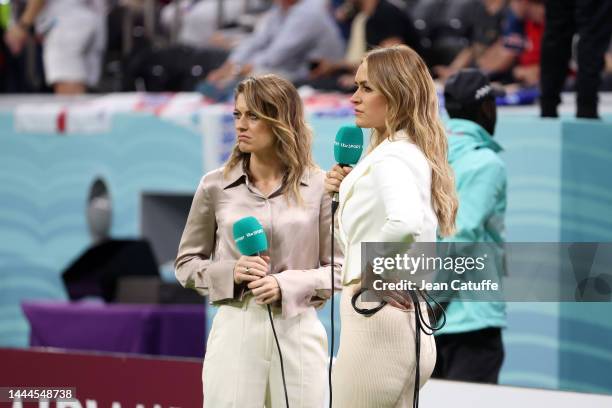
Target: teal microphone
348, 147
250, 236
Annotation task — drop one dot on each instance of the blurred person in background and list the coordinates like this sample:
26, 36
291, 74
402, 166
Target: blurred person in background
592, 21
375, 23
485, 31
12, 67
271, 176
291, 35
447, 27
607, 80
529, 34
516, 57
198, 19
505, 45
470, 345
199, 23
74, 40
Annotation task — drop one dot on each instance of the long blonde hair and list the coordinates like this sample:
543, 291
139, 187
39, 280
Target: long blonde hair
276, 101
412, 105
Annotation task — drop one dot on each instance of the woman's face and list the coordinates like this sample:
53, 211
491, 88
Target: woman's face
253, 134
370, 104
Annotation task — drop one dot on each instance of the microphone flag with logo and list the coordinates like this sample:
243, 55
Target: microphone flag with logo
250, 236
348, 145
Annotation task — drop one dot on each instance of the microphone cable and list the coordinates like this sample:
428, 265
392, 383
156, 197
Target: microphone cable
420, 324
280, 355
334, 207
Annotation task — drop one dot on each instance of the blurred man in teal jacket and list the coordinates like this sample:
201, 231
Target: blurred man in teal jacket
470, 345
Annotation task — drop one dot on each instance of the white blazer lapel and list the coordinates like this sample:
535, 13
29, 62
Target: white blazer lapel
346, 188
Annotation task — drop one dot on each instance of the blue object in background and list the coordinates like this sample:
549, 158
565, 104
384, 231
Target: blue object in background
216, 93
525, 96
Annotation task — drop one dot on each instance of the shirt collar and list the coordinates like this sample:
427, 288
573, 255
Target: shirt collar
234, 177
237, 175
305, 179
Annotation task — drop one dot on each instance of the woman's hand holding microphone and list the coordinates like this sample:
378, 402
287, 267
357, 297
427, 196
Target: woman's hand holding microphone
254, 271
334, 177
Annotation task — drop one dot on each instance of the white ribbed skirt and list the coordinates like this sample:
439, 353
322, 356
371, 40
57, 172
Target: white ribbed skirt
376, 360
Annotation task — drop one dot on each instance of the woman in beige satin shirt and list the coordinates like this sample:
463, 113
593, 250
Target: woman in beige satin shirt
271, 176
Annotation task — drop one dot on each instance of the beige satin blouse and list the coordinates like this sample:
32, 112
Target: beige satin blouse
298, 239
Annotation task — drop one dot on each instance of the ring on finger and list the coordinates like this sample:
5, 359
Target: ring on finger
246, 270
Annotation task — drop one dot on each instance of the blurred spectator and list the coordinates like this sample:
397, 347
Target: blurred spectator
198, 20
12, 68
23, 72
470, 346
343, 11
377, 23
292, 34
74, 40
515, 56
523, 35
176, 68
592, 20
447, 27
388, 25
607, 81
490, 15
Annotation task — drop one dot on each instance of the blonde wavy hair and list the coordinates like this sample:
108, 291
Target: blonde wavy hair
276, 101
412, 105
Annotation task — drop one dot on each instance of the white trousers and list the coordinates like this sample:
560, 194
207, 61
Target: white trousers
242, 366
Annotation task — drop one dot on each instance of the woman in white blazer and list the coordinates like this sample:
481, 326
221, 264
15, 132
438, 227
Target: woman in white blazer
403, 189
